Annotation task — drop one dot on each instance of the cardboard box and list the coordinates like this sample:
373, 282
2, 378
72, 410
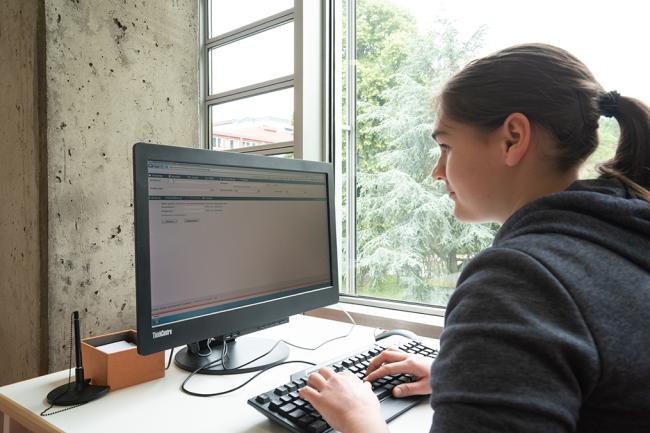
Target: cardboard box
119, 369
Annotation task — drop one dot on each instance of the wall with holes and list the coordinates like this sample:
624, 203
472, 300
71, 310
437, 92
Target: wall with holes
118, 72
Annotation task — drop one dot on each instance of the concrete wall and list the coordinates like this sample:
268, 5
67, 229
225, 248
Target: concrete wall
23, 295
118, 72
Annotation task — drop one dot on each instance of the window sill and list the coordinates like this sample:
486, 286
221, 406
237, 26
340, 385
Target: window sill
426, 325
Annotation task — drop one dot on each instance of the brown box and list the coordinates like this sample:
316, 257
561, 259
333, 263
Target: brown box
119, 369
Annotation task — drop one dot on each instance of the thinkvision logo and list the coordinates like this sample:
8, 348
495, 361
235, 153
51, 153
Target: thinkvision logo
163, 333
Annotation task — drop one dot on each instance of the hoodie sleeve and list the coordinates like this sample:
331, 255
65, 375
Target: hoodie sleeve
516, 354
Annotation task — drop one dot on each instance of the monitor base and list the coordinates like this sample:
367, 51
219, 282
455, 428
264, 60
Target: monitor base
73, 393
239, 352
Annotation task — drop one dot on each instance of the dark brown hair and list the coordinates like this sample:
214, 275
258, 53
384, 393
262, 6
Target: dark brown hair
557, 92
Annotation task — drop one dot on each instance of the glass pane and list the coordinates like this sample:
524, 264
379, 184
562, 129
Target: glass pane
255, 59
229, 15
254, 121
408, 244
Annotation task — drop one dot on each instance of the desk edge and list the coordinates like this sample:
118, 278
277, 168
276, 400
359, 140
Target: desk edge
25, 417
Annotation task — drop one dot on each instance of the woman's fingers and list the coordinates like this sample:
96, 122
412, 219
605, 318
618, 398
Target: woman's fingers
388, 355
387, 370
316, 381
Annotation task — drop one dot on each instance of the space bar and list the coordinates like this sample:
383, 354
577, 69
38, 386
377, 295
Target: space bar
393, 407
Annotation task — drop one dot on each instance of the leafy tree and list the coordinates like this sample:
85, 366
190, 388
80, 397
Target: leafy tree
406, 233
608, 133
384, 32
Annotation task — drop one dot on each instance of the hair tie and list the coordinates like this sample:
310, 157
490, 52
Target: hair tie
608, 103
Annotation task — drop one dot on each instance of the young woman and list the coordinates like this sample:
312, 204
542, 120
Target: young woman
548, 329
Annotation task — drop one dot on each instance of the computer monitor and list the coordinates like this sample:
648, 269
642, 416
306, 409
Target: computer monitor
227, 244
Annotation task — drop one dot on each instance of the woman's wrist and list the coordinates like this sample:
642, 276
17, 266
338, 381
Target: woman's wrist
365, 424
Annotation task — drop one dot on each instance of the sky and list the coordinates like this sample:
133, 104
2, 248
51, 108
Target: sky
610, 37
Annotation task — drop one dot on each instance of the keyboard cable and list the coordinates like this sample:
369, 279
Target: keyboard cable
224, 355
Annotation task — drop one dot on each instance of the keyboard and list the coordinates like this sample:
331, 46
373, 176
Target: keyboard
284, 406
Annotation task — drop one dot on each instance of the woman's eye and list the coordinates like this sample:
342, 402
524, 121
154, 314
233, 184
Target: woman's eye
443, 147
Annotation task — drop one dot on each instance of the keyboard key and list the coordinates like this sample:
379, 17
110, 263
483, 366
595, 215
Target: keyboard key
299, 402
291, 386
381, 392
296, 414
317, 426
305, 420
262, 399
274, 405
281, 390
286, 399
287, 408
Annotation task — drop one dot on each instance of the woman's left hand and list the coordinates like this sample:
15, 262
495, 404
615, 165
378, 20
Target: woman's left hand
344, 401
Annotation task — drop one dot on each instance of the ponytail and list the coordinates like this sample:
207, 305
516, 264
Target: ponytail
631, 163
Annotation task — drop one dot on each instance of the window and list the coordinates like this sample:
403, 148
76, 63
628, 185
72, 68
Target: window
265, 76
398, 237
249, 75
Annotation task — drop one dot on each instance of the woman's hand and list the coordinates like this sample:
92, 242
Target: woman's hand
394, 361
344, 401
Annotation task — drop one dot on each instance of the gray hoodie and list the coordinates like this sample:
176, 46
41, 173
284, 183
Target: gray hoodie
549, 329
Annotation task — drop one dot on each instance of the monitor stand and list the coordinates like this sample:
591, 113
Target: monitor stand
239, 351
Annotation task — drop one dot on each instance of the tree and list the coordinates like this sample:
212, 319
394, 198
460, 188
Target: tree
382, 37
406, 233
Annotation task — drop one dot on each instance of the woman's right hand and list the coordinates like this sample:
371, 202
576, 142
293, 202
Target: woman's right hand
394, 361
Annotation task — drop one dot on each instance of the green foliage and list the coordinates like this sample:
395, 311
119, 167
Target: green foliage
410, 246
383, 35
608, 134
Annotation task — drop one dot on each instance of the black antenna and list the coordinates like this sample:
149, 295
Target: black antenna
81, 391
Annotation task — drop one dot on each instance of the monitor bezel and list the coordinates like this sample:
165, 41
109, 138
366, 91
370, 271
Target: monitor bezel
241, 319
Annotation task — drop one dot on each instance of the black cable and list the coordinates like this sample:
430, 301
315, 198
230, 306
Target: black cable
324, 342
224, 355
198, 394
169, 362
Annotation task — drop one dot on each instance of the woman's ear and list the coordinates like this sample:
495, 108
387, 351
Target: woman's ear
516, 132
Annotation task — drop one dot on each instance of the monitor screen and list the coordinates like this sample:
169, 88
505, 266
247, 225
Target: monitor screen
227, 244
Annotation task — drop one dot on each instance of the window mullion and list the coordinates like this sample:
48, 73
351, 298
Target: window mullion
351, 156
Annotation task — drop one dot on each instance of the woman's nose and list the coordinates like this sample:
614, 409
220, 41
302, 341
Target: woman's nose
438, 172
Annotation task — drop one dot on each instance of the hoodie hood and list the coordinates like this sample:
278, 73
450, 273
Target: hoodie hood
600, 211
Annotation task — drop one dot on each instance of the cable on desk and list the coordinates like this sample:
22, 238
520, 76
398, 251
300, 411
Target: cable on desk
224, 356
354, 324
198, 394
169, 361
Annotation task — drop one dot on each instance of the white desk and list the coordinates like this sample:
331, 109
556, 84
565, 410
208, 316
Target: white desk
160, 406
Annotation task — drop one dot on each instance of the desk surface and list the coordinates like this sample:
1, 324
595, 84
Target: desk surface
160, 406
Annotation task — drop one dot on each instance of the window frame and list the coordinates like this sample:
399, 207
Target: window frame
318, 123
309, 80
256, 89
349, 129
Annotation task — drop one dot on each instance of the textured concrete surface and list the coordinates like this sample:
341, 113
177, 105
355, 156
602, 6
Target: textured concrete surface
118, 72
21, 289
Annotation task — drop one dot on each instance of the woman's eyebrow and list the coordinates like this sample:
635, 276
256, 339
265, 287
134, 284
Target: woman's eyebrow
437, 133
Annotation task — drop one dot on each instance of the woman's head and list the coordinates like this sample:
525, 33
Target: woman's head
562, 102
